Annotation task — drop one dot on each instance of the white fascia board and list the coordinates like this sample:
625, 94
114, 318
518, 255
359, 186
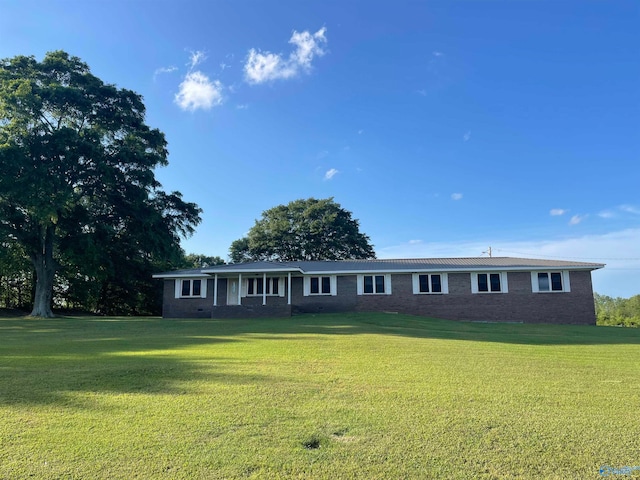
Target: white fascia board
183, 275
369, 272
249, 272
541, 269
530, 268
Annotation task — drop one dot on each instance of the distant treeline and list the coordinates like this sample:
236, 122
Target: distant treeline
617, 311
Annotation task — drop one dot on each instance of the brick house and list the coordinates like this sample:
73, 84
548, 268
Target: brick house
498, 289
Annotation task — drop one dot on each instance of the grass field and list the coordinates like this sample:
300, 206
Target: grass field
328, 396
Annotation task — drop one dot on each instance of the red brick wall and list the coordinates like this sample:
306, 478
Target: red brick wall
518, 305
186, 307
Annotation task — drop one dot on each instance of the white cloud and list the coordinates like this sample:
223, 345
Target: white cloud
197, 91
242, 106
307, 46
330, 174
438, 54
467, 136
263, 67
456, 196
555, 212
415, 242
619, 250
196, 58
360, 132
576, 219
613, 213
162, 70
630, 209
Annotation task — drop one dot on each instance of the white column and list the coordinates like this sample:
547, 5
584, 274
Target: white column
215, 290
289, 288
239, 289
264, 288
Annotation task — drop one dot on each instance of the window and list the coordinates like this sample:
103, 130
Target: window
320, 285
489, 282
374, 284
196, 287
434, 283
191, 288
550, 282
257, 286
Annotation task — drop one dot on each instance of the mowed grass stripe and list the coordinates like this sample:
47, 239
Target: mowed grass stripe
326, 396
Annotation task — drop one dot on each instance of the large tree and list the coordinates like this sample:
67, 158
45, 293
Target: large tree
198, 260
308, 229
77, 189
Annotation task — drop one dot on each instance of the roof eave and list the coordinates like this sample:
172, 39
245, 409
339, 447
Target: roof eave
180, 275
257, 270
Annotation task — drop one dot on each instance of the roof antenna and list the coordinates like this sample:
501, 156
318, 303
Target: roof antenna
488, 251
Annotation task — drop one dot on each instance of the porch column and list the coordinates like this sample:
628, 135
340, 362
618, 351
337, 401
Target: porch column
289, 288
264, 288
215, 290
239, 289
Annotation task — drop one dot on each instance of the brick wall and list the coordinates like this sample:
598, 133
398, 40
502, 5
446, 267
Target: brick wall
186, 307
518, 305
344, 301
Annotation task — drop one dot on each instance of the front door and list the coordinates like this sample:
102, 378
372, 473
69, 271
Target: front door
232, 291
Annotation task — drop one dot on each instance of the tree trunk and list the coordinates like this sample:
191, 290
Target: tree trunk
45, 267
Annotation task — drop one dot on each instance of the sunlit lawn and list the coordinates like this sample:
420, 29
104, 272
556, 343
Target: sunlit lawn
328, 396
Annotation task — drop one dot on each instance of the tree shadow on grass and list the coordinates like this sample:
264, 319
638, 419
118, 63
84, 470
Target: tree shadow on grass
422, 327
48, 361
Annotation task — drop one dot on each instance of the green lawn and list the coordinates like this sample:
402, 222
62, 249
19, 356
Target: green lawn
327, 396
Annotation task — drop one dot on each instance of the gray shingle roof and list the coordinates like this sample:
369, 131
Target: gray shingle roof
389, 265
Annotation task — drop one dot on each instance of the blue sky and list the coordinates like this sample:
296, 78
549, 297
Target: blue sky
445, 127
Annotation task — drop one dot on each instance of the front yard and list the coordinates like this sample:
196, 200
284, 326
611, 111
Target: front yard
326, 396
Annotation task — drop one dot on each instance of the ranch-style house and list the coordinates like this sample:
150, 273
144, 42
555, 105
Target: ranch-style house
496, 289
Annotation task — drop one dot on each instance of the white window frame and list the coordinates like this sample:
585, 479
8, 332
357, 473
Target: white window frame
387, 283
333, 285
566, 283
504, 283
203, 287
245, 287
444, 284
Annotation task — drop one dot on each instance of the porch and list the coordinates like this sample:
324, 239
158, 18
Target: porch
253, 291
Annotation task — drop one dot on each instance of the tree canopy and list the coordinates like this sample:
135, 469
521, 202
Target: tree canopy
308, 229
78, 192
617, 311
198, 260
